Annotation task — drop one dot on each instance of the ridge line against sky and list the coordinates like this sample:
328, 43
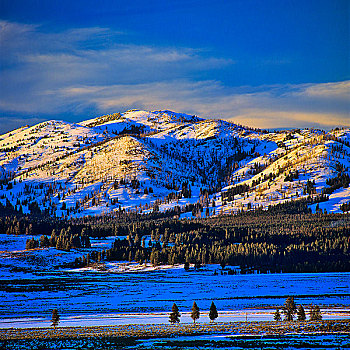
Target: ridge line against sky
264, 64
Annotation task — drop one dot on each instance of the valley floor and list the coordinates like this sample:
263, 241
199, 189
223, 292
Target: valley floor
158, 318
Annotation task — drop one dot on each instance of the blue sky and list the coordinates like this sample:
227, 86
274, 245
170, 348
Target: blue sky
267, 64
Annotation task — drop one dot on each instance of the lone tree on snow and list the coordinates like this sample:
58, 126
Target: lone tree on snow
301, 313
195, 312
55, 318
174, 315
315, 313
213, 312
289, 309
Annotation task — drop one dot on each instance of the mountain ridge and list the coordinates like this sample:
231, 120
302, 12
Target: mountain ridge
145, 161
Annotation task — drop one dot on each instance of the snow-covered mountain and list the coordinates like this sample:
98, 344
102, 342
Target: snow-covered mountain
147, 161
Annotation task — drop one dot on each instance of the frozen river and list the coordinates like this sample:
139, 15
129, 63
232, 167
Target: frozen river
100, 298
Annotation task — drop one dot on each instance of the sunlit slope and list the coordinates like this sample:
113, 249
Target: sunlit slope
28, 147
146, 161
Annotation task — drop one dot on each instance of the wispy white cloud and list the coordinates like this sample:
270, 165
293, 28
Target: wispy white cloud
88, 71
338, 90
42, 63
285, 106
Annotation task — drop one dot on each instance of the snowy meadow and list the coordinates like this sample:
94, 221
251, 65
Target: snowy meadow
125, 293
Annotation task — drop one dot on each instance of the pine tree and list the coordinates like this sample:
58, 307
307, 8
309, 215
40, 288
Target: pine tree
55, 318
277, 315
213, 312
311, 312
289, 309
315, 313
174, 315
301, 313
44, 241
195, 312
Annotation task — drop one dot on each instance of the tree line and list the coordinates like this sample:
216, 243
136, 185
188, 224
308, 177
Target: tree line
284, 238
290, 311
175, 315
261, 241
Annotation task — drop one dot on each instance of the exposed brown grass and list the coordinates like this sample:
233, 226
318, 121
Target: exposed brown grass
163, 330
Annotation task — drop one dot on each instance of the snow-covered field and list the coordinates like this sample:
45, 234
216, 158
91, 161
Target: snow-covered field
130, 293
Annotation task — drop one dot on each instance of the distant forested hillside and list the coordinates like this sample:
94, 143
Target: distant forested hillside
284, 238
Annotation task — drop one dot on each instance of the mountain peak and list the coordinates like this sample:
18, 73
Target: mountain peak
142, 160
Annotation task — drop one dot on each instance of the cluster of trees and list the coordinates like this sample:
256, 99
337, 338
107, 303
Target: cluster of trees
229, 195
104, 119
210, 161
284, 238
334, 183
65, 240
341, 180
260, 241
290, 310
293, 175
336, 139
345, 207
9, 149
175, 315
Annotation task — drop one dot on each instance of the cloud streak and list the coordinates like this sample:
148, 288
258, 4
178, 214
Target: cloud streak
272, 108
83, 72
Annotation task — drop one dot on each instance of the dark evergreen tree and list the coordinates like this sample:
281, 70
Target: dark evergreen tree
195, 312
315, 313
55, 318
44, 241
174, 315
32, 243
277, 315
289, 309
311, 312
213, 312
301, 313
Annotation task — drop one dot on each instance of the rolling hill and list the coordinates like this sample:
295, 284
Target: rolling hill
145, 161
